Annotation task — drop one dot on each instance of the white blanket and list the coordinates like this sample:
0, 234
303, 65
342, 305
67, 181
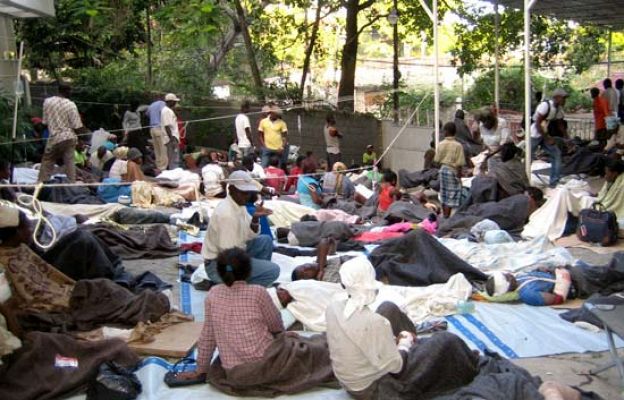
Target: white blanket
286, 212
311, 299
550, 219
515, 256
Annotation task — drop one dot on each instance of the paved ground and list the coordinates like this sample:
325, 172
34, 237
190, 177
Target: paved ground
570, 369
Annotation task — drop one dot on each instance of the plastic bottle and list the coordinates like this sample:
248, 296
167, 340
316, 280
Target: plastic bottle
465, 307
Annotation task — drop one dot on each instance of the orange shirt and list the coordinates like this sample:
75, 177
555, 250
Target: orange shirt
601, 110
385, 196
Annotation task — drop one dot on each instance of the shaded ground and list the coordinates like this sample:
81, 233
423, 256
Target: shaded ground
571, 369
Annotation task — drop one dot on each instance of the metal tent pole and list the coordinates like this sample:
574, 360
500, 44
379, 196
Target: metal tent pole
609, 53
527, 84
436, 72
496, 57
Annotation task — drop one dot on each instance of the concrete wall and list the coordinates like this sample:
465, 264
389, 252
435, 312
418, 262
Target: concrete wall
409, 149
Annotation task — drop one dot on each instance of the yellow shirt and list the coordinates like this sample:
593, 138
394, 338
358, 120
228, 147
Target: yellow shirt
450, 152
273, 131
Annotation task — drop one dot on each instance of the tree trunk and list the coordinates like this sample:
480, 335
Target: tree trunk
346, 88
149, 45
226, 45
253, 64
310, 49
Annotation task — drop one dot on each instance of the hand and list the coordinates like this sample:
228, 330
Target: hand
291, 334
262, 212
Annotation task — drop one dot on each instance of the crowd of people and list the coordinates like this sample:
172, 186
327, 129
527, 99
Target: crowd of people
370, 348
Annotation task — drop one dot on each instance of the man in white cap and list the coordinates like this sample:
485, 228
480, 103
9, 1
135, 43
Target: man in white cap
232, 226
551, 112
169, 124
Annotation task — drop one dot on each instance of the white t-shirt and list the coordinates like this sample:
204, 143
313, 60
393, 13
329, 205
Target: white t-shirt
258, 172
495, 137
119, 168
542, 109
212, 175
98, 163
242, 122
168, 118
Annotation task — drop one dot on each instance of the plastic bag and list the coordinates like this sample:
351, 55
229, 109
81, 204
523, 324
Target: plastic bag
114, 382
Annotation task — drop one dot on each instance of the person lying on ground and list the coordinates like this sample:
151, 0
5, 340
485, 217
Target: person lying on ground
309, 232
510, 172
377, 355
260, 358
323, 269
535, 288
232, 226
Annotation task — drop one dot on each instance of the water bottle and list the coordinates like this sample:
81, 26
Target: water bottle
465, 307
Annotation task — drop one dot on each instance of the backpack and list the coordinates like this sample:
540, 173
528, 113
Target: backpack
596, 225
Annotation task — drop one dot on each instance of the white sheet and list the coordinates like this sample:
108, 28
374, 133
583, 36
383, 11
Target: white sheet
517, 256
286, 212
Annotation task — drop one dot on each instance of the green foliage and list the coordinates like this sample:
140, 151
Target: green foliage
24, 127
412, 97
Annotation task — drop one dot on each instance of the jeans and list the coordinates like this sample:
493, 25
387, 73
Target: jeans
554, 155
266, 156
263, 271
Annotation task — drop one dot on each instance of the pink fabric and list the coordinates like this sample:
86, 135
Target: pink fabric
399, 227
431, 227
376, 236
335, 215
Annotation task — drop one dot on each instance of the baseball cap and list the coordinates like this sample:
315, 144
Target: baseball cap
370, 146
559, 92
242, 181
171, 97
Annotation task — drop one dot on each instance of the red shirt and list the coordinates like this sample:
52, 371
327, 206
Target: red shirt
385, 196
275, 178
601, 110
292, 180
240, 321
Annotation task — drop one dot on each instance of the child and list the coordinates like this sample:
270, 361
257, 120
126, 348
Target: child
450, 155
388, 191
275, 176
294, 173
213, 176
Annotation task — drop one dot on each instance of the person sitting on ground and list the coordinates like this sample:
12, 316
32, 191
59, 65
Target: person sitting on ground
111, 142
98, 159
119, 168
255, 170
369, 156
133, 167
610, 196
472, 147
510, 172
293, 175
275, 176
213, 177
256, 355
450, 154
232, 226
308, 187
336, 182
535, 288
80, 155
376, 355
388, 191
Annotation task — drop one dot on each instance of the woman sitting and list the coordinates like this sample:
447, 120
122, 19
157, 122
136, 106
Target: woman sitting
256, 357
308, 188
120, 165
610, 196
336, 182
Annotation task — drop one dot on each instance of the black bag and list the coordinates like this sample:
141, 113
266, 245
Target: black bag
171, 377
597, 225
114, 382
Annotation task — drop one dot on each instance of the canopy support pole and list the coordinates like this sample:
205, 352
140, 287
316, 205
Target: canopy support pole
527, 84
609, 53
433, 15
496, 57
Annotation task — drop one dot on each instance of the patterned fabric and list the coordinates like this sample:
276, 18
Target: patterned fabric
450, 187
36, 285
240, 321
61, 116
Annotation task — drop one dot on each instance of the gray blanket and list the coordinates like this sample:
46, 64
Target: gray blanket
310, 233
406, 211
511, 176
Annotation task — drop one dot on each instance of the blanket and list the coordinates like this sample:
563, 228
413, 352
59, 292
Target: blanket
310, 233
604, 280
510, 214
427, 178
68, 194
511, 176
406, 211
34, 371
584, 161
290, 365
483, 189
418, 259
153, 242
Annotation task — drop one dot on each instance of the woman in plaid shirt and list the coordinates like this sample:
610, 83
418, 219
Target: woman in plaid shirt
256, 356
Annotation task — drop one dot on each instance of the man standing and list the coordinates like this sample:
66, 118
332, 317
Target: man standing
231, 226
332, 140
601, 111
61, 116
610, 95
243, 130
169, 124
548, 111
158, 134
450, 155
272, 135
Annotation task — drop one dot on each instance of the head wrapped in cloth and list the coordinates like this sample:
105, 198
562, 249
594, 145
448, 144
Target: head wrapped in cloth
358, 277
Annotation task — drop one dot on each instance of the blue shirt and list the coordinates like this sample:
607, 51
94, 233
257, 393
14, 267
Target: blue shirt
154, 110
532, 285
305, 198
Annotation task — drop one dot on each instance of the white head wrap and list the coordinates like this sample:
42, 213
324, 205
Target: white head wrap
501, 283
358, 277
9, 217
